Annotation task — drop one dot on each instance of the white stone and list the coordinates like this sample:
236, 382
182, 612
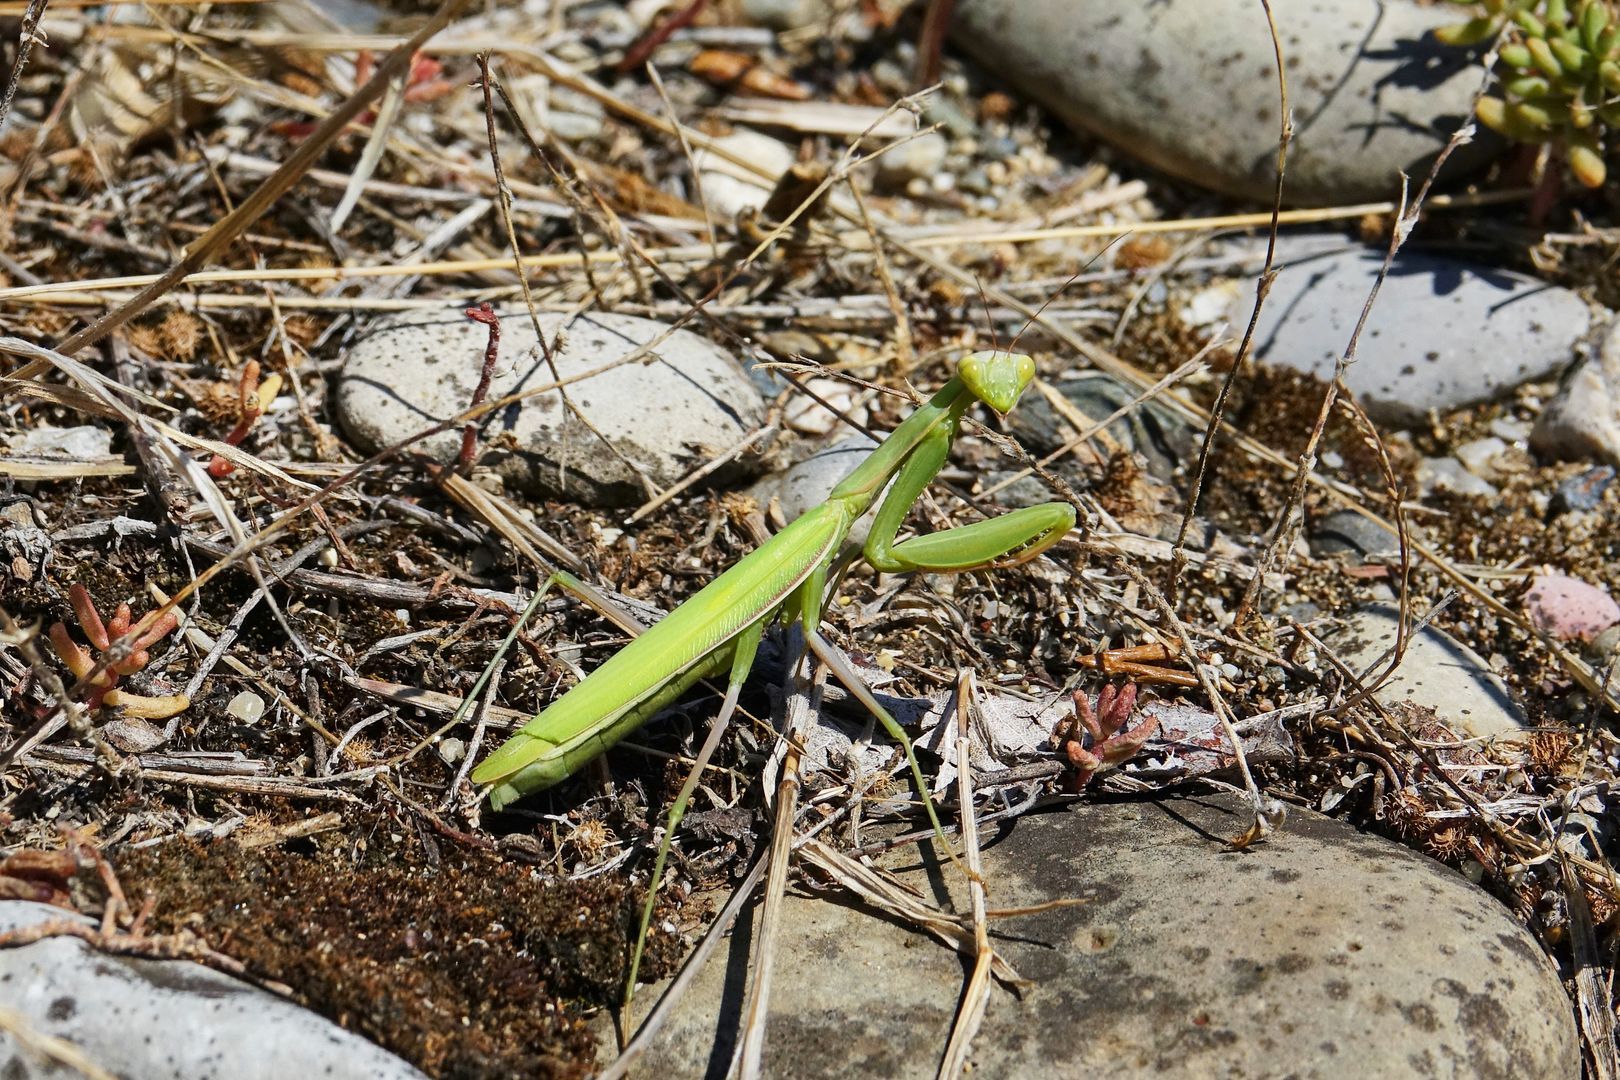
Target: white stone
663, 417
1479, 456
163, 1019
729, 188
1449, 474
1190, 86
1437, 671
917, 158
1583, 420
1443, 334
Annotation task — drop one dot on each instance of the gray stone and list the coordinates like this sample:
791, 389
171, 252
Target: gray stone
166, 1019
665, 417
808, 483
1443, 334
918, 158
1583, 491
1437, 671
26, 550
1481, 456
1165, 440
1321, 953
1190, 86
1347, 532
85, 443
1583, 421
785, 14
1449, 474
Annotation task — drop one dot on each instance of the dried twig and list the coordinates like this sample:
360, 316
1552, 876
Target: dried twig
27, 34
976, 996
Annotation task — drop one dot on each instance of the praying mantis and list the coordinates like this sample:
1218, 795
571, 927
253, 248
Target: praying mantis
720, 627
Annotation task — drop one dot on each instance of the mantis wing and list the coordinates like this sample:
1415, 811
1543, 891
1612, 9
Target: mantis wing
693, 641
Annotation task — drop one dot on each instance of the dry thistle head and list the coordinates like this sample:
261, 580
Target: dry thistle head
1559, 70
1448, 844
590, 838
1408, 814
180, 333
1552, 751
737, 506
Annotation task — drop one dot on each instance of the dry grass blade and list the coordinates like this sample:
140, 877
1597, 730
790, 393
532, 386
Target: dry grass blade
49, 1048
671, 997
801, 707
393, 100
976, 995
879, 889
1592, 996
264, 196
498, 513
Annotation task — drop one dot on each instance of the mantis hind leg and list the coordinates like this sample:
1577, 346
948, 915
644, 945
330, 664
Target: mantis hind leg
742, 661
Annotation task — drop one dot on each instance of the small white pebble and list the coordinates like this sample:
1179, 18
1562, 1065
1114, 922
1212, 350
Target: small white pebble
403, 615
247, 707
328, 557
452, 750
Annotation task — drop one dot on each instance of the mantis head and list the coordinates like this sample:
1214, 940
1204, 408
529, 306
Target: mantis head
996, 377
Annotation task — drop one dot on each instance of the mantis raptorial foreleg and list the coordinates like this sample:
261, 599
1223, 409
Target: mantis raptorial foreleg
719, 628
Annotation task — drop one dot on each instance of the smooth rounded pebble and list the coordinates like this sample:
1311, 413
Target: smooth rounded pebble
662, 417
1443, 334
1321, 953
1163, 438
1582, 422
728, 188
1437, 672
807, 484
1347, 532
1583, 491
1190, 87
1568, 608
166, 1019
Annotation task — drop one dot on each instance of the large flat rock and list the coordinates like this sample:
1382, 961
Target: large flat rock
1323, 953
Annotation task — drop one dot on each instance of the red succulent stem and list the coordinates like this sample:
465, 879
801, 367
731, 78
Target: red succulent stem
485, 314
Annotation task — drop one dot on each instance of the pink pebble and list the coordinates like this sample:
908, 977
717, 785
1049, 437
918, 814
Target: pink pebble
1568, 608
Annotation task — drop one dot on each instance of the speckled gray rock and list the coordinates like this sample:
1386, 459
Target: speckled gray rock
166, 1019
1164, 440
1438, 672
808, 483
1190, 86
1583, 420
665, 417
1583, 491
1347, 532
1323, 953
785, 14
1443, 334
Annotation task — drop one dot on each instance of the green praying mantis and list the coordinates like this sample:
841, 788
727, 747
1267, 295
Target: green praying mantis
720, 627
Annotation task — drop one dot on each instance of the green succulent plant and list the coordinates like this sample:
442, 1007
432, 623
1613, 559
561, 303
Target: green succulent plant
1560, 74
